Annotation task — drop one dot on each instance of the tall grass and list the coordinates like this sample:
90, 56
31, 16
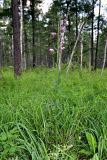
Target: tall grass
41, 120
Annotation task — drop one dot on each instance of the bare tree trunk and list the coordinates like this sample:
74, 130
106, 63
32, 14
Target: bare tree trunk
12, 49
92, 37
23, 53
81, 43
105, 56
98, 28
69, 37
1, 50
33, 31
58, 43
26, 50
58, 50
1, 58
3, 53
21, 32
74, 48
89, 51
16, 38
76, 2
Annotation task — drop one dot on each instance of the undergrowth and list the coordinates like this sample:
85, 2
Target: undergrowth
43, 120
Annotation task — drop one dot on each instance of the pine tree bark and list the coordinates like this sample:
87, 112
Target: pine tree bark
16, 38
23, 57
92, 37
33, 31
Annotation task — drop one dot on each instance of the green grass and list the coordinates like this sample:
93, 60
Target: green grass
41, 120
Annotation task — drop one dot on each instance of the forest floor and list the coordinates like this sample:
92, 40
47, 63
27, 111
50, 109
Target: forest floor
43, 120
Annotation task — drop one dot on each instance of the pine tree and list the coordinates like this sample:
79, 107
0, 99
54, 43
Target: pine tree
16, 38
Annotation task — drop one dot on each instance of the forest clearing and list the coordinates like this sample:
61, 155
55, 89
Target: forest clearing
53, 80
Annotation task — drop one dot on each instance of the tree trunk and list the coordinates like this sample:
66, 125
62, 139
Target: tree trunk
16, 38
92, 37
76, 2
81, 43
1, 52
69, 37
58, 49
21, 30
74, 48
26, 49
105, 56
1, 58
89, 51
33, 31
98, 28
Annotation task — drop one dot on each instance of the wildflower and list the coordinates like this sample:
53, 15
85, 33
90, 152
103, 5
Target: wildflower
62, 48
62, 28
51, 50
53, 34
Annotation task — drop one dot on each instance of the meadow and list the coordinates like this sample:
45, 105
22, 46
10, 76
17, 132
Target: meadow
41, 119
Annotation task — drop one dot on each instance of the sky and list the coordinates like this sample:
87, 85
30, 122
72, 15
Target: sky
47, 4
1, 3
104, 5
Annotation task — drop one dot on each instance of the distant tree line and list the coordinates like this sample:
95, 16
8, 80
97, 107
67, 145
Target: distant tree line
28, 38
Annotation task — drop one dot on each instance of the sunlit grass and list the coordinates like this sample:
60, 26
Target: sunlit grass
40, 119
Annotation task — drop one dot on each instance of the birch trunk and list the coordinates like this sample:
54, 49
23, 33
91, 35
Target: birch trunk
73, 51
98, 28
105, 56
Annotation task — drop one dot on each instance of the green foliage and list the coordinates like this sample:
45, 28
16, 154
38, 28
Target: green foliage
91, 141
9, 146
91, 150
40, 119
